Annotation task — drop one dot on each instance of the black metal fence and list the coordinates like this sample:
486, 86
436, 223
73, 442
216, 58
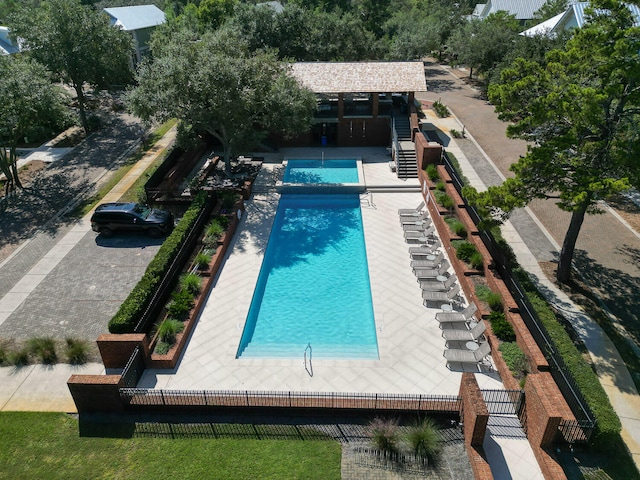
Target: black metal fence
504, 402
582, 428
134, 368
167, 284
170, 400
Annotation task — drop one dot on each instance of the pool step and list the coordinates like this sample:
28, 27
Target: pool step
318, 351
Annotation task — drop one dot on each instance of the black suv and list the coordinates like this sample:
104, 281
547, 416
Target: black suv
110, 217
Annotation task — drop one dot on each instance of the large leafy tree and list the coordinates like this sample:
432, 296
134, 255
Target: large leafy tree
77, 43
482, 44
580, 109
216, 86
30, 103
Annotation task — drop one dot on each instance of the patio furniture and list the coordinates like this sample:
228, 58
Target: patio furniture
425, 249
422, 219
409, 212
438, 285
435, 256
424, 263
465, 334
468, 356
441, 297
431, 273
424, 228
453, 317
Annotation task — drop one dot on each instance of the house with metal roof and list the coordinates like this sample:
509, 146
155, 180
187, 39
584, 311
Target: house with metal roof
574, 16
139, 21
356, 101
521, 9
7, 46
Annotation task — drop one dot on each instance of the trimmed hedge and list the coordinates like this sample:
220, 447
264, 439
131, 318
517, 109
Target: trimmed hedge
608, 424
130, 312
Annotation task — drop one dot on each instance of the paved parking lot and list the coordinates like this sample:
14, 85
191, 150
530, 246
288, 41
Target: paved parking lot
84, 289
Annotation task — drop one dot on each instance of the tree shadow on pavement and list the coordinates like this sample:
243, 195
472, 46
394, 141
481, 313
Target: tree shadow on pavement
32, 208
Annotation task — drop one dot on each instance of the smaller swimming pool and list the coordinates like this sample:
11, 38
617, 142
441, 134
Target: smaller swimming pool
334, 171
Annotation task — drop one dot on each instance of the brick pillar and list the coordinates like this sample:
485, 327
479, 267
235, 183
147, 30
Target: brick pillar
475, 417
474, 410
96, 393
116, 349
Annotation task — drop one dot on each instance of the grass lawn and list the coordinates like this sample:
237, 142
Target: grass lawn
48, 445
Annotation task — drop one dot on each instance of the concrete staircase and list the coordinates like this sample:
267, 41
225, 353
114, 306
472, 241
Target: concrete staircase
406, 156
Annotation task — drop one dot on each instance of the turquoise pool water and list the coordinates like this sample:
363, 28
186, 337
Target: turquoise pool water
321, 171
313, 286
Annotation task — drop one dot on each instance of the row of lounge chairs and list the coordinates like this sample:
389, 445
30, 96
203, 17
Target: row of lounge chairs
463, 333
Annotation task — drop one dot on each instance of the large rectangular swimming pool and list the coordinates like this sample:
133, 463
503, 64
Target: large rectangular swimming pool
313, 286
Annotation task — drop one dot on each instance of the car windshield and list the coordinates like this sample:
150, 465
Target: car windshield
142, 210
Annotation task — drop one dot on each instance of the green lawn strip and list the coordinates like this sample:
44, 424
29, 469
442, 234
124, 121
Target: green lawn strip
48, 445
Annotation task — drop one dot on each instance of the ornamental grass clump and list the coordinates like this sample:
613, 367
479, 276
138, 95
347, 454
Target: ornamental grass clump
202, 261
191, 282
424, 441
168, 330
76, 351
385, 436
44, 349
432, 172
181, 302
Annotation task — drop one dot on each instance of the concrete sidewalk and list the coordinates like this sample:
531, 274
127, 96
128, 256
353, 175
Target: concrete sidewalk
44, 387
612, 371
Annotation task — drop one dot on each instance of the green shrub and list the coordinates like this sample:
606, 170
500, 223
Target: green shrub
482, 291
476, 261
202, 261
465, 250
515, 358
456, 226
443, 199
76, 351
228, 199
501, 327
441, 110
181, 302
432, 172
191, 282
130, 312
162, 348
424, 440
456, 134
384, 435
494, 300
168, 330
43, 348
19, 357
441, 186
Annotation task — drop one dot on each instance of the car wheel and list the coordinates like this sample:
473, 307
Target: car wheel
155, 232
106, 232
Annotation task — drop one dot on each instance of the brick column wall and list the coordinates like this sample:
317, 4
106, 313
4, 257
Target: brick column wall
475, 417
116, 349
546, 407
96, 393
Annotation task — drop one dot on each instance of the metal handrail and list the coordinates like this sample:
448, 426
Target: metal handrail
308, 368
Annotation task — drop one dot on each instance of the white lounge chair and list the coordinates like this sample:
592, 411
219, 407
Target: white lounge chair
425, 248
437, 286
424, 263
465, 334
468, 356
452, 317
442, 297
423, 219
411, 211
425, 228
430, 273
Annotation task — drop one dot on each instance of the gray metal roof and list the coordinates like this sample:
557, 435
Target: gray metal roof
521, 9
136, 17
362, 77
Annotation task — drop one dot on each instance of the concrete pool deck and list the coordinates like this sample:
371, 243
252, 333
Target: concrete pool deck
409, 338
